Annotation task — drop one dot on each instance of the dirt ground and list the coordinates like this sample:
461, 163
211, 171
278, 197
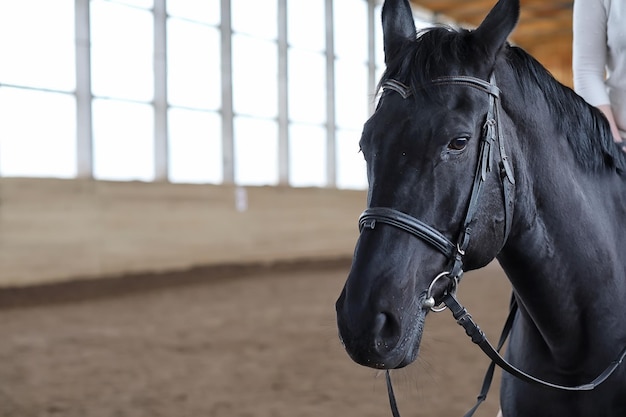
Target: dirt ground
246, 342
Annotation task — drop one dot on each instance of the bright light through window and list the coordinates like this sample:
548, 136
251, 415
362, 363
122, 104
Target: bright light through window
256, 148
37, 134
123, 140
306, 24
122, 51
255, 76
351, 29
351, 169
258, 18
351, 94
307, 156
37, 51
144, 4
307, 86
195, 146
193, 58
204, 11
37, 43
379, 58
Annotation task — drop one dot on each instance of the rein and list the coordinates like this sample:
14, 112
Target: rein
492, 137
472, 329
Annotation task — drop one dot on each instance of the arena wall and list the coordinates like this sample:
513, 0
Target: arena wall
55, 230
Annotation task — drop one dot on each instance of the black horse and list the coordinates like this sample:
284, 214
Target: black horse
476, 152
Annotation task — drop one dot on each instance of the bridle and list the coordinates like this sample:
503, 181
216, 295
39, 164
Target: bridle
455, 251
492, 137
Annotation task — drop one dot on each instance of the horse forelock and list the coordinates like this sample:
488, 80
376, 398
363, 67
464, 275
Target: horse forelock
437, 51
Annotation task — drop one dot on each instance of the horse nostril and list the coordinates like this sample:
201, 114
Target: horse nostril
386, 332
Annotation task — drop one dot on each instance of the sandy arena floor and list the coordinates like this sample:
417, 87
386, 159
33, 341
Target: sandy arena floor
250, 342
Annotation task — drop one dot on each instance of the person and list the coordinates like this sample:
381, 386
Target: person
599, 59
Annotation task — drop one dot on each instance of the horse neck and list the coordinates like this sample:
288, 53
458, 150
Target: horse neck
563, 255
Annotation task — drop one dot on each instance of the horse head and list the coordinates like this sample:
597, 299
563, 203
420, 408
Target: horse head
426, 153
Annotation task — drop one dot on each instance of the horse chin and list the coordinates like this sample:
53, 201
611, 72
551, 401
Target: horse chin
393, 360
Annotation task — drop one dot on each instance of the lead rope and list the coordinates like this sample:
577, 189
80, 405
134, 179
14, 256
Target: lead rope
478, 336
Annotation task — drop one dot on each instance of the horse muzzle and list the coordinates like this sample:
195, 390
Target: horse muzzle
380, 340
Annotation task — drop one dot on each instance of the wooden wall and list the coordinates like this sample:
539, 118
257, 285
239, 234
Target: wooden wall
55, 230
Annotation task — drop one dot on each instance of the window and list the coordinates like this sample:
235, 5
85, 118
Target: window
123, 140
256, 18
307, 156
351, 90
307, 86
255, 77
37, 133
352, 164
122, 51
195, 146
205, 11
193, 65
38, 128
37, 49
256, 148
194, 92
255, 91
306, 24
276, 82
351, 29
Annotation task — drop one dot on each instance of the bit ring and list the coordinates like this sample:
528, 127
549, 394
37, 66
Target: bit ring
429, 302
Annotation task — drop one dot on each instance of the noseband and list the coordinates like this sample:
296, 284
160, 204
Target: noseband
492, 137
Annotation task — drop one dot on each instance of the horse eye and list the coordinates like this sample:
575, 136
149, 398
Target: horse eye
458, 144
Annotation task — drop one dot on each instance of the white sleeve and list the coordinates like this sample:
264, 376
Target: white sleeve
590, 50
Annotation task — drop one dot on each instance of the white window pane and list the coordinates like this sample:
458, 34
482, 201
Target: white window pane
379, 57
256, 151
205, 11
351, 169
351, 29
37, 134
307, 86
193, 59
144, 4
123, 139
195, 147
307, 156
37, 43
255, 77
351, 94
306, 24
122, 51
255, 17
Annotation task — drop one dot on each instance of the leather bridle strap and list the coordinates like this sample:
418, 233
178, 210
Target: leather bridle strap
407, 223
488, 378
491, 137
464, 319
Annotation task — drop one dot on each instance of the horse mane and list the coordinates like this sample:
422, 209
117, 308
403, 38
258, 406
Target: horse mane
585, 127
437, 51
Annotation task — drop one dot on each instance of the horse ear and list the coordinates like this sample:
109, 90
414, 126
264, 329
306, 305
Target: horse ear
497, 26
398, 26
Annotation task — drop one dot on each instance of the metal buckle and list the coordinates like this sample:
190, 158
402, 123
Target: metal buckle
429, 302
